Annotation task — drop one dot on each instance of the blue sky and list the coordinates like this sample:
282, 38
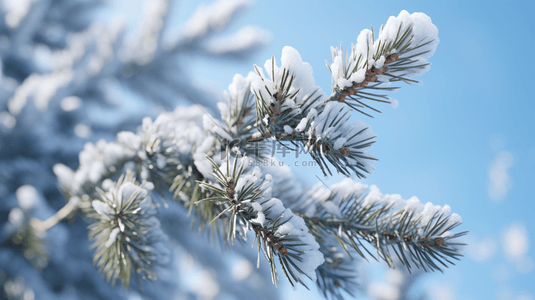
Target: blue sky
473, 114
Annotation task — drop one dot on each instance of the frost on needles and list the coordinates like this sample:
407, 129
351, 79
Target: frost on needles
209, 166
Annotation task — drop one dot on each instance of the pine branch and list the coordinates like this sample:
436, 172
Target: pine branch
419, 235
97, 162
65, 211
279, 234
181, 153
287, 113
399, 53
127, 233
338, 273
238, 115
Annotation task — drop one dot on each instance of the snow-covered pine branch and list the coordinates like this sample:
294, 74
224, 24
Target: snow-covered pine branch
313, 234
238, 115
280, 234
420, 235
399, 53
289, 106
124, 222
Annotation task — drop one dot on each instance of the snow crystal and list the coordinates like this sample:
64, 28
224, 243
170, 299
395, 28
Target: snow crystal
129, 139
64, 174
339, 255
261, 85
96, 171
331, 111
142, 48
455, 218
213, 126
74, 200
414, 205
223, 108
144, 174
339, 114
260, 219
394, 27
361, 58
313, 259
430, 213
348, 186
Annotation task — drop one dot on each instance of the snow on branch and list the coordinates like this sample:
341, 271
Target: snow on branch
419, 234
399, 53
244, 198
127, 232
155, 153
312, 233
289, 108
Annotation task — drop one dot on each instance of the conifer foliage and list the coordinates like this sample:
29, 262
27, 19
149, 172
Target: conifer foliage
191, 166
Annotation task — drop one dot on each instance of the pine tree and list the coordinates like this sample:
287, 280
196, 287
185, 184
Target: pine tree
140, 194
